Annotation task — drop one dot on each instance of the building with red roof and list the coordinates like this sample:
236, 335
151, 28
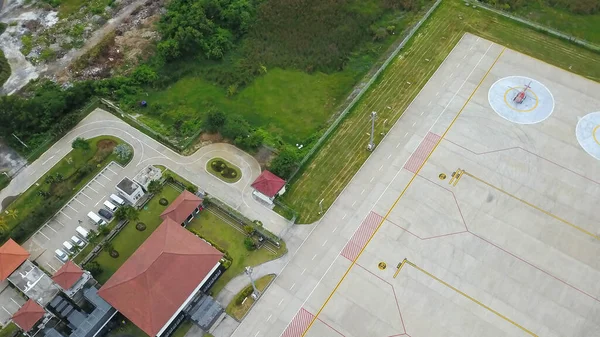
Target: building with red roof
71, 278
267, 186
161, 277
29, 314
183, 209
11, 257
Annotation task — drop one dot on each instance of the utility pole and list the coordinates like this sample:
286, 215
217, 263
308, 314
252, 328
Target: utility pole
255, 293
321, 206
371, 145
20, 140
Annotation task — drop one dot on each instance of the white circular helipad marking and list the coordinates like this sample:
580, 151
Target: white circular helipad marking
536, 105
588, 134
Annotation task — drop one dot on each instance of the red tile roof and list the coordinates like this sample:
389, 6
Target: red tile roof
67, 275
156, 280
11, 257
29, 314
181, 207
268, 184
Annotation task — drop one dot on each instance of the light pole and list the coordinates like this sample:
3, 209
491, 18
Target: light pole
321, 206
371, 145
255, 293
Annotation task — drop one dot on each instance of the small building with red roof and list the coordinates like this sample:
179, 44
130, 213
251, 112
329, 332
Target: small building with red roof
267, 186
11, 257
183, 209
162, 277
29, 314
71, 278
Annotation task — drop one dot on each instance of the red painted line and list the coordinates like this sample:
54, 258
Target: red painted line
361, 236
330, 327
418, 157
395, 298
299, 324
532, 153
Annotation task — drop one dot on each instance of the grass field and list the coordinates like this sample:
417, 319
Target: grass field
238, 311
332, 167
216, 228
129, 239
4, 68
9, 330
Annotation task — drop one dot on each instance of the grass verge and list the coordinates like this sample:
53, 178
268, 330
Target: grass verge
45, 197
9, 330
221, 230
332, 167
4, 68
224, 170
129, 239
238, 311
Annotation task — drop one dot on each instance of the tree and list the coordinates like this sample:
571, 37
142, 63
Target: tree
12, 213
249, 244
127, 213
214, 121
80, 143
94, 268
192, 188
155, 187
236, 126
285, 163
123, 152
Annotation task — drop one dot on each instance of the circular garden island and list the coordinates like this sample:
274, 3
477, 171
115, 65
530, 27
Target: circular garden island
224, 170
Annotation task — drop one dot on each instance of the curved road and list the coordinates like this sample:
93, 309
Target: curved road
148, 151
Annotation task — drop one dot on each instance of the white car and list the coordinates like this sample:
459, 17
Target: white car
61, 255
77, 241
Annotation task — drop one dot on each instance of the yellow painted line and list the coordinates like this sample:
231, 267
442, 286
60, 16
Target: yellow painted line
472, 299
401, 194
535, 207
459, 175
594, 134
400, 268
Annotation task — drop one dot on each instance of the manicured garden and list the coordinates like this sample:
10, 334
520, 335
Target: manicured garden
44, 198
238, 307
224, 170
130, 238
222, 231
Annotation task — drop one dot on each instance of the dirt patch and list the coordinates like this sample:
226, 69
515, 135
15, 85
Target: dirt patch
203, 140
105, 148
263, 156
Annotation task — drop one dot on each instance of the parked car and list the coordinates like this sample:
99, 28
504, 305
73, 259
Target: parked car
77, 241
61, 255
96, 219
105, 213
82, 232
111, 207
68, 246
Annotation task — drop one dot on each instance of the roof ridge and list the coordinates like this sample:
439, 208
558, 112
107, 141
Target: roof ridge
207, 254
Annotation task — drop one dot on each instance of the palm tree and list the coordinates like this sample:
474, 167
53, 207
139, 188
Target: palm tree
12, 213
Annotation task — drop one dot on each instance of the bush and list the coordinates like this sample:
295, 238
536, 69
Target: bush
243, 294
249, 229
214, 121
80, 143
94, 268
155, 187
285, 163
249, 244
123, 152
163, 202
192, 189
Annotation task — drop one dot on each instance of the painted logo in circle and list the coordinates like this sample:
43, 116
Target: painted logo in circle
588, 134
521, 100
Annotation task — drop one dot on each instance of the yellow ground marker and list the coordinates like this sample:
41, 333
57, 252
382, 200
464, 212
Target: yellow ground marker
399, 267
402, 194
535, 207
456, 177
471, 298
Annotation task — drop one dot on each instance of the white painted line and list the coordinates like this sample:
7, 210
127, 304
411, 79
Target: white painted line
324, 243
464, 57
79, 201
50, 228
44, 235
428, 104
354, 203
280, 302
32, 172
293, 285
437, 94
398, 144
47, 160
406, 134
422, 112
111, 170
76, 211
344, 217
451, 74
49, 265
62, 224
371, 179
97, 203
314, 257
65, 215
333, 231
256, 333
268, 319
90, 187
97, 182
303, 272
381, 167
443, 85
363, 192
85, 195
8, 312
389, 156
12, 299
415, 123
458, 65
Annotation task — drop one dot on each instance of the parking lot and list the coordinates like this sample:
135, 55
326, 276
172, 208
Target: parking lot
62, 226
10, 302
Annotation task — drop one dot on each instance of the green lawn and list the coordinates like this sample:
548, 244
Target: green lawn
9, 330
332, 167
217, 230
214, 166
238, 311
128, 329
30, 209
182, 329
129, 239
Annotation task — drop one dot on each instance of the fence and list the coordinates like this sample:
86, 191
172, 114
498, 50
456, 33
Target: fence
364, 89
542, 28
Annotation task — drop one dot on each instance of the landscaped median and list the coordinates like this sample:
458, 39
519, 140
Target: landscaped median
224, 170
242, 302
53, 190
